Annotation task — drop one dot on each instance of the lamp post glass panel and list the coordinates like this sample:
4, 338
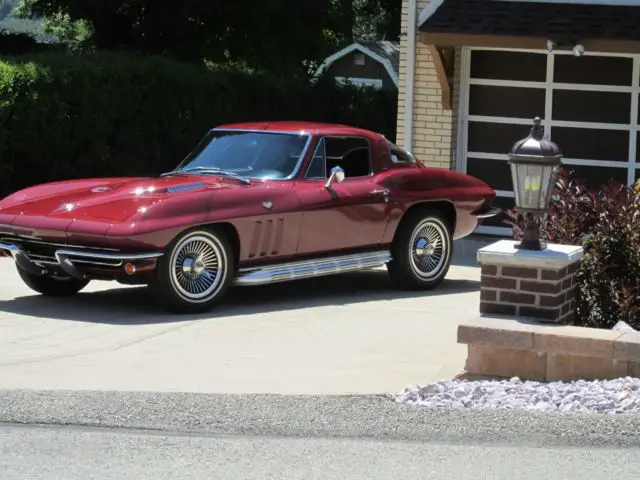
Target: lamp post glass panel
534, 163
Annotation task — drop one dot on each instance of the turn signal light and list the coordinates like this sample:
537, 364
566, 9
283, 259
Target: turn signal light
129, 268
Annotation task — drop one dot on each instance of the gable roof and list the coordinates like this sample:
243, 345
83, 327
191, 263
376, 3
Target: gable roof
566, 19
385, 52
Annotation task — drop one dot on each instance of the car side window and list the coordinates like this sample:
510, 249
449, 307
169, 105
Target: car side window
352, 154
317, 168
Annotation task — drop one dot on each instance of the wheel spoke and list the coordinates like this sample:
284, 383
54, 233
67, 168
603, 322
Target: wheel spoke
429, 249
196, 267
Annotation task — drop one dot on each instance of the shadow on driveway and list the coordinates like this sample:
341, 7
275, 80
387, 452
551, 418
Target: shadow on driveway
134, 305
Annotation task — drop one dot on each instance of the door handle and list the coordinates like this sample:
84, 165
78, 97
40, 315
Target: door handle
382, 191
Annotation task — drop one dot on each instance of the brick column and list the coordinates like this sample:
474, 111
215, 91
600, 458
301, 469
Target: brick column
527, 283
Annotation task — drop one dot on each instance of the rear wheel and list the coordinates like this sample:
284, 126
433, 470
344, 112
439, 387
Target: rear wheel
197, 268
421, 251
52, 286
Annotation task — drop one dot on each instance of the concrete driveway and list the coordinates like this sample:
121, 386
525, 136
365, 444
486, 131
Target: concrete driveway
334, 335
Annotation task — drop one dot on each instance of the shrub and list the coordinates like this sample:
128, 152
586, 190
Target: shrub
606, 223
103, 114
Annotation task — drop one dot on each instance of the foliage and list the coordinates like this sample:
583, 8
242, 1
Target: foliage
606, 222
104, 114
570, 214
284, 37
609, 275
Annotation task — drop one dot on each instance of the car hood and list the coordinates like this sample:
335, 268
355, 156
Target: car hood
112, 200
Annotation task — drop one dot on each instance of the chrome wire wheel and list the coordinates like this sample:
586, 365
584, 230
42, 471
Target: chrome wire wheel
429, 249
197, 266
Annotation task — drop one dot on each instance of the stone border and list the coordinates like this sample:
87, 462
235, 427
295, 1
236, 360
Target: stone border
506, 347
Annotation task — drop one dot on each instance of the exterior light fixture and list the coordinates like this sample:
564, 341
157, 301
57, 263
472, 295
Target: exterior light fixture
578, 50
534, 163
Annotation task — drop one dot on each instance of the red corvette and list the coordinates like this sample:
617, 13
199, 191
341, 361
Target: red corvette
254, 203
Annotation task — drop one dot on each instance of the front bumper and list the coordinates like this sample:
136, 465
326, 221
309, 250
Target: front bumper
69, 260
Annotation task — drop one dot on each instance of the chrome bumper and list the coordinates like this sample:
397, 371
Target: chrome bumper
68, 259
488, 213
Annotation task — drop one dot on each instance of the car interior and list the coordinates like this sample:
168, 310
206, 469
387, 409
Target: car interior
351, 154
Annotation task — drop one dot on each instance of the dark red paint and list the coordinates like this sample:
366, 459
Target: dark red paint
138, 214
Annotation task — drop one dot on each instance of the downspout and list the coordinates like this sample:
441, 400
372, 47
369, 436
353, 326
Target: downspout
410, 76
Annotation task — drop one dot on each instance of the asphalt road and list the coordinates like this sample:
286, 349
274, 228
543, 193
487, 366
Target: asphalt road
94, 435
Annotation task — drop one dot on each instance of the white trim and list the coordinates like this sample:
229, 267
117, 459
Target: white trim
360, 48
556, 86
505, 194
365, 82
410, 75
619, 3
463, 111
551, 123
566, 161
429, 10
555, 52
633, 137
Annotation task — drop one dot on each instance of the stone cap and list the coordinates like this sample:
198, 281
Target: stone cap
503, 252
526, 334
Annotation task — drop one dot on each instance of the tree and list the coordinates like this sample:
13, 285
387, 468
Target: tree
286, 37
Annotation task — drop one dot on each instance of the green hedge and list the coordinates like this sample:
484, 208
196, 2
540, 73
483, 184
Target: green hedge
73, 116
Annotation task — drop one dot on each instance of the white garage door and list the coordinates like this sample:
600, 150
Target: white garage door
589, 107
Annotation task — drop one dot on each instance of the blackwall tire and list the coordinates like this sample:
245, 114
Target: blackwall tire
421, 251
194, 273
50, 286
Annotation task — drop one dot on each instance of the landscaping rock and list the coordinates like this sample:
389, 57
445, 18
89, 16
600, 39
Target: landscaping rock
621, 395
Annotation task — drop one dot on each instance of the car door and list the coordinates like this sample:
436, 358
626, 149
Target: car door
345, 215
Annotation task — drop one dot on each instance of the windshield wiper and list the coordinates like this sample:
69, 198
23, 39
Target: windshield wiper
208, 170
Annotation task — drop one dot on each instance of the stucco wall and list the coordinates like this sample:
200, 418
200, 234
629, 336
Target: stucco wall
434, 129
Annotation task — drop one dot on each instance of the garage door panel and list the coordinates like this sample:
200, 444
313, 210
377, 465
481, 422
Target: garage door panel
517, 102
593, 70
592, 143
495, 173
588, 106
596, 177
494, 137
499, 65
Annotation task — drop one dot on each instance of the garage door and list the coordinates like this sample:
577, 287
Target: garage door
589, 107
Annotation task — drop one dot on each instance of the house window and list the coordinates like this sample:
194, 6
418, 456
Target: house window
589, 107
358, 58
352, 154
360, 82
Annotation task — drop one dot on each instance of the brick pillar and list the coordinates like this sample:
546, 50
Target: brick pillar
527, 283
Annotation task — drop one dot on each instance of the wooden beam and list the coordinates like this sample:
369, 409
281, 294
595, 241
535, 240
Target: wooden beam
443, 78
533, 43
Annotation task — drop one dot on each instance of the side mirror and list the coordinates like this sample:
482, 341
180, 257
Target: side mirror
337, 175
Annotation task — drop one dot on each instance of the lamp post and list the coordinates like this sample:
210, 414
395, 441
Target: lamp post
534, 163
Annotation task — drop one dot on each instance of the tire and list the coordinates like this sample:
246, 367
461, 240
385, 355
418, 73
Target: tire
417, 264
194, 273
52, 286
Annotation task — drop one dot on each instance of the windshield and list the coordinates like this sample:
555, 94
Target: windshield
250, 154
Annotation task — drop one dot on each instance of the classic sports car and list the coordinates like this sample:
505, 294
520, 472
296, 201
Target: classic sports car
254, 203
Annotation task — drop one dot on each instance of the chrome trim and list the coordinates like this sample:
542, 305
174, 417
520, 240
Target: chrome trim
29, 239
492, 212
12, 249
298, 270
66, 259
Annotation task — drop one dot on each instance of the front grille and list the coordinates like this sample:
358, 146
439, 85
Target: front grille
42, 252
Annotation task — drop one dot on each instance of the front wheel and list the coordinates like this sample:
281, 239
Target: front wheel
197, 268
421, 251
52, 286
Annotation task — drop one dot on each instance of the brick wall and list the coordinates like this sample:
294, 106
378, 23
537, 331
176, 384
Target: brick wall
434, 129
546, 294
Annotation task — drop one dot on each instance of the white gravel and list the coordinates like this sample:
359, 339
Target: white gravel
601, 396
